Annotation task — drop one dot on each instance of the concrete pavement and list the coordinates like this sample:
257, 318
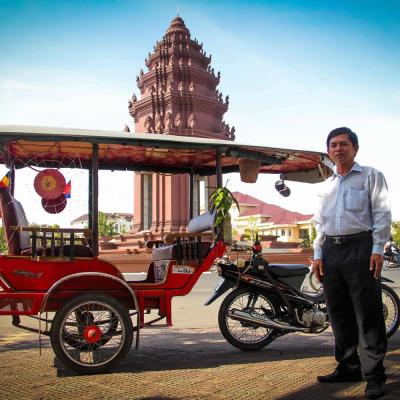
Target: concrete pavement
188, 361
177, 363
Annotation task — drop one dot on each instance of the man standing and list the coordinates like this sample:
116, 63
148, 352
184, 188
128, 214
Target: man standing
353, 225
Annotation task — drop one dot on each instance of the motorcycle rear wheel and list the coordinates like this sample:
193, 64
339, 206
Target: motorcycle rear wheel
391, 305
243, 335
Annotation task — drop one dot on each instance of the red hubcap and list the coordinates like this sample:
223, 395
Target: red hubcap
92, 334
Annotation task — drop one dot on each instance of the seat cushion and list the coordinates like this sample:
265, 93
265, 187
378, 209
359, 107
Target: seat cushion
190, 251
13, 215
164, 252
202, 223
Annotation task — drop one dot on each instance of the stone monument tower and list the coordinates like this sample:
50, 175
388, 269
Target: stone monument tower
178, 96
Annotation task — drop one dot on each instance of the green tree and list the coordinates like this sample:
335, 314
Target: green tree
56, 226
250, 233
3, 243
105, 228
313, 235
396, 232
306, 243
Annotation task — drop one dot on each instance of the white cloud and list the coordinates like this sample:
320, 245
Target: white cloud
12, 85
74, 102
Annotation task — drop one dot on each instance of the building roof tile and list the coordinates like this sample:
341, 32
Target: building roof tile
278, 215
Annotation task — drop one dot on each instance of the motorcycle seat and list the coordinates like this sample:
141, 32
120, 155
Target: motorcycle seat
283, 270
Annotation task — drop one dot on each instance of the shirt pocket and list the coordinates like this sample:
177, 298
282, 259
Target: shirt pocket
356, 199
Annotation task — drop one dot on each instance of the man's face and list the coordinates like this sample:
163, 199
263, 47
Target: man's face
341, 150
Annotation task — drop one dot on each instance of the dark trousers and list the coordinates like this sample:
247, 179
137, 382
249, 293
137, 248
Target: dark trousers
354, 302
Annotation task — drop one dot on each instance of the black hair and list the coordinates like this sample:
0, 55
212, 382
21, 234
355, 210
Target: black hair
340, 131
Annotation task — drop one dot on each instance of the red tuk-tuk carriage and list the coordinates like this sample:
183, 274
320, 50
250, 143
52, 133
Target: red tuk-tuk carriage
56, 276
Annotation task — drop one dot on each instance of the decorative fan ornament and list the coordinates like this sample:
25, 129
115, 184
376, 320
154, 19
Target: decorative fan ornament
49, 184
54, 206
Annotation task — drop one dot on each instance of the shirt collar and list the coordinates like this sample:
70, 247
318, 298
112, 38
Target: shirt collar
356, 167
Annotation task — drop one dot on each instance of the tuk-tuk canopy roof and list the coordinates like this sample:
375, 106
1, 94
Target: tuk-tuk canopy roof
63, 147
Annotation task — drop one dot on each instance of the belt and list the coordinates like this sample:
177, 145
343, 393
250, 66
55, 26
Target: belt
348, 238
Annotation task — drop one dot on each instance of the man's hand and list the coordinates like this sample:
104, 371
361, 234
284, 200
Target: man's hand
318, 269
375, 264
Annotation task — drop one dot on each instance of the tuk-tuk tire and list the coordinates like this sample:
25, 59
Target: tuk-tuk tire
57, 329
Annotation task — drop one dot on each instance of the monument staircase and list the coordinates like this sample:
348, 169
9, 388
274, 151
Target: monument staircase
128, 251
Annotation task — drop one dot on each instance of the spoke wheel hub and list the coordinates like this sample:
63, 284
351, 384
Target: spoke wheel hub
92, 334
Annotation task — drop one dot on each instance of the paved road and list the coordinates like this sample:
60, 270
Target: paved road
189, 311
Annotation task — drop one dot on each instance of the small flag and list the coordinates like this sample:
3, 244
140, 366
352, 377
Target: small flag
5, 182
67, 190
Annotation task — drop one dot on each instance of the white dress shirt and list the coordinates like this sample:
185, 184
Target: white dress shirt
356, 202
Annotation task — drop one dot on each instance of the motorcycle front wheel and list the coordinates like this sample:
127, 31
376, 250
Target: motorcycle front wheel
390, 302
246, 335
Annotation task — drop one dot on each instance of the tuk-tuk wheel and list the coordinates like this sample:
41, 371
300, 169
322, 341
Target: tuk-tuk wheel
91, 333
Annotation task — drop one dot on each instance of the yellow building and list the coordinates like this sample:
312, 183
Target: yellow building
270, 220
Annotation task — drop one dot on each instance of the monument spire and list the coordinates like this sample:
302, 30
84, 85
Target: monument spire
178, 92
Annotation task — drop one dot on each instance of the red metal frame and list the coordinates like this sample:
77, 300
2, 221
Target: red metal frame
175, 284
26, 282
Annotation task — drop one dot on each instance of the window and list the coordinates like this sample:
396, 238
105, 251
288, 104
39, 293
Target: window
283, 233
203, 194
147, 200
289, 232
200, 195
196, 197
303, 233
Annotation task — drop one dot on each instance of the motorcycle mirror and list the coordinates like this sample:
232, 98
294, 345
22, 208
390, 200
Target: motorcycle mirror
282, 188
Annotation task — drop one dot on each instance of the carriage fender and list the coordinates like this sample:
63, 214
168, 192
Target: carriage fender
96, 274
386, 279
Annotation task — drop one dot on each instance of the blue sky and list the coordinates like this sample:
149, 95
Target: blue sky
294, 70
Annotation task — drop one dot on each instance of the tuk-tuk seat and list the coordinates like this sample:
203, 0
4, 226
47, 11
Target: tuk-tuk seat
17, 232
185, 246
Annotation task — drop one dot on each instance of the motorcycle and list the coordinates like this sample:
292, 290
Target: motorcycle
267, 302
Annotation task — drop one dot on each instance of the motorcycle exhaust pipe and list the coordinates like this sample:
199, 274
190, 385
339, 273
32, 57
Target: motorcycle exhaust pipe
263, 321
